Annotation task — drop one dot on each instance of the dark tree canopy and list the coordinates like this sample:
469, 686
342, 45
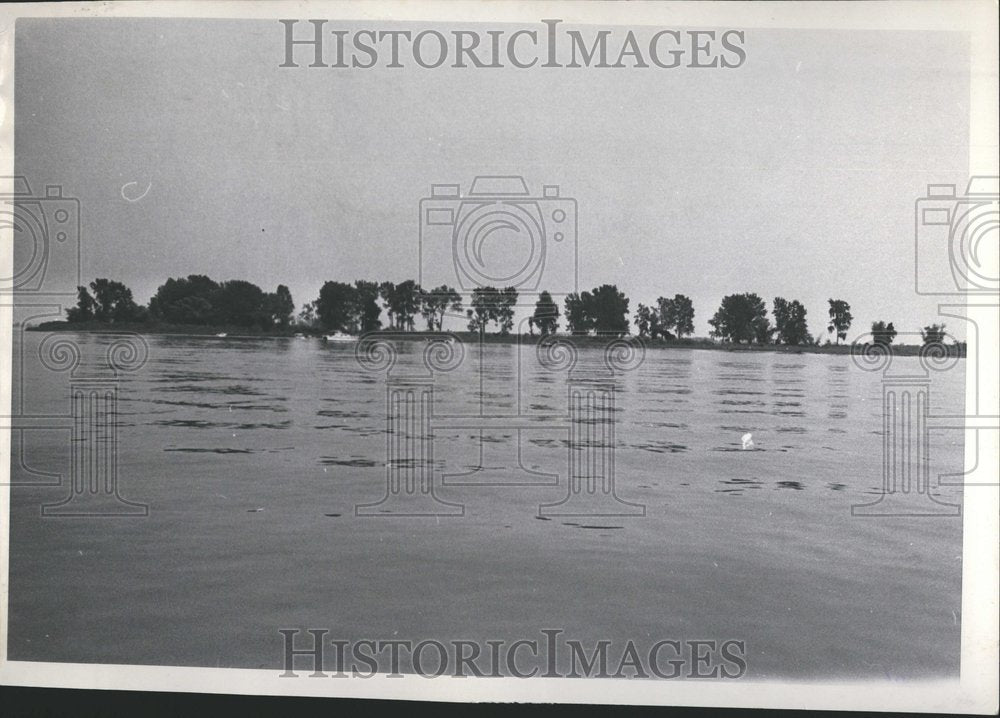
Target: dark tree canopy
185, 300
933, 334
742, 318
240, 303
646, 321
280, 306
790, 322
578, 319
402, 302
546, 315
308, 317
840, 318
507, 300
676, 314
336, 308
110, 302
434, 304
197, 299
603, 310
365, 307
609, 308
481, 311
490, 304
883, 333
344, 307
356, 308
84, 309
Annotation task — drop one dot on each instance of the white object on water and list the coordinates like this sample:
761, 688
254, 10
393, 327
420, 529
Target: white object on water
221, 334
747, 441
338, 337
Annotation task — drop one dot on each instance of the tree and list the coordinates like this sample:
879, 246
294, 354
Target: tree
883, 333
933, 334
408, 294
790, 322
504, 310
476, 321
436, 303
365, 310
112, 301
684, 318
307, 316
386, 291
84, 309
604, 310
185, 301
402, 302
578, 320
646, 320
676, 314
192, 310
741, 318
608, 306
490, 304
840, 318
335, 307
279, 306
546, 316
483, 311
241, 303
665, 315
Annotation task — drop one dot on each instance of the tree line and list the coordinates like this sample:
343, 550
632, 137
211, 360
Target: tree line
357, 308
195, 299
742, 318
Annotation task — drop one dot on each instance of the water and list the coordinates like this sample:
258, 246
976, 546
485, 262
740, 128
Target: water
252, 455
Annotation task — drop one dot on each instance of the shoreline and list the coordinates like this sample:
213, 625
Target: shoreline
207, 332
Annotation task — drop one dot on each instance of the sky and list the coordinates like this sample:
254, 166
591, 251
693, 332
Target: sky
794, 175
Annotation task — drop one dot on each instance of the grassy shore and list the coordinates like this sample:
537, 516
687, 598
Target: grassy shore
238, 332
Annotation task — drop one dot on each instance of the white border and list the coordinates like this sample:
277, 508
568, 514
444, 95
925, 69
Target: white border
975, 692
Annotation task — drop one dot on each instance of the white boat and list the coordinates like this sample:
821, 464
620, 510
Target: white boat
221, 334
338, 337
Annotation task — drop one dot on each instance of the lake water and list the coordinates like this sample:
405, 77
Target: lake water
253, 454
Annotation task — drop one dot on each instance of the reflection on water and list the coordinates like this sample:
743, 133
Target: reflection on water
246, 449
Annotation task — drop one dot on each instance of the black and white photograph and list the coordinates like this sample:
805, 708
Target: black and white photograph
559, 352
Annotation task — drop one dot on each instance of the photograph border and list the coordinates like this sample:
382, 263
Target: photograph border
975, 691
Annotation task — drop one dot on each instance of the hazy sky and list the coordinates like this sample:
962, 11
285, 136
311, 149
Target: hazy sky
793, 175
